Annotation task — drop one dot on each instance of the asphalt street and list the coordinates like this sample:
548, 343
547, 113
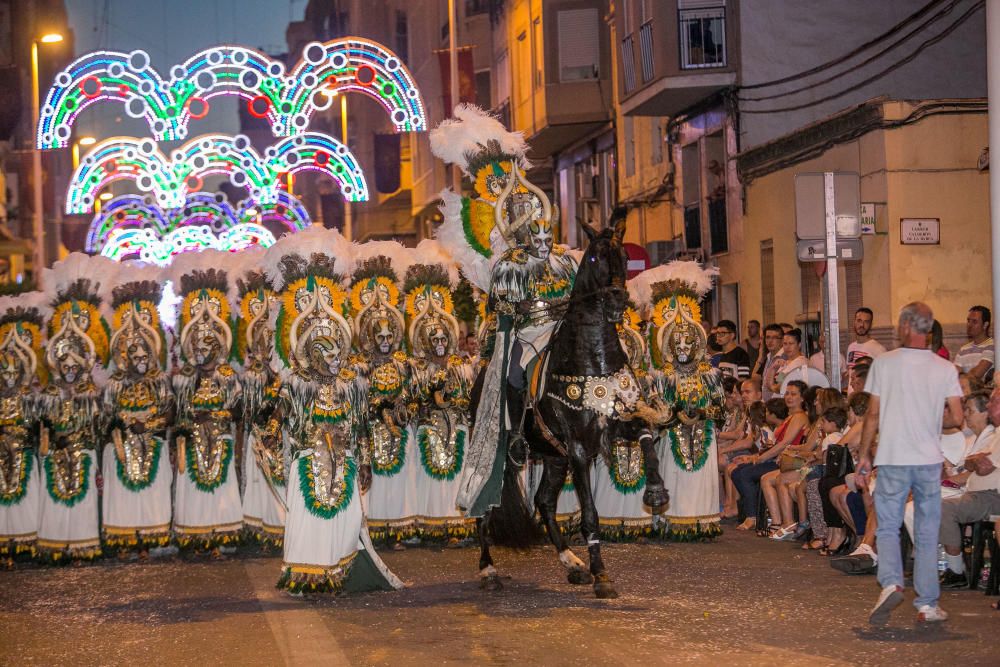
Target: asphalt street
741, 600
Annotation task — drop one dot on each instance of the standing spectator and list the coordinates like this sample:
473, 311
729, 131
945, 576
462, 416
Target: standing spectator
752, 342
864, 346
937, 342
770, 353
733, 361
909, 388
472, 346
787, 368
976, 356
980, 500
818, 361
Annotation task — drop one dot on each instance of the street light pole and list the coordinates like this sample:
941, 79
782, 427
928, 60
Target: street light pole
348, 221
37, 221
456, 174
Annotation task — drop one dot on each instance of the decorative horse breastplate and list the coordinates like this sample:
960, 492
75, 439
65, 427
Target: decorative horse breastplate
609, 395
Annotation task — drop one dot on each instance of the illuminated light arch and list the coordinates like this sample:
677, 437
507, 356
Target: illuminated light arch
286, 100
147, 225
170, 180
190, 238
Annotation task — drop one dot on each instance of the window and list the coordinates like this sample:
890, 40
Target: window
483, 89
703, 37
539, 52
402, 36
628, 64
715, 192
691, 192
473, 7
579, 44
503, 78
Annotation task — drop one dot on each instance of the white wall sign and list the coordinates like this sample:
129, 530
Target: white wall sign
920, 231
868, 219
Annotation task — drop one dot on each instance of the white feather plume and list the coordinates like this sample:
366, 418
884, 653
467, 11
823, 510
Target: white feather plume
37, 300
693, 273
101, 271
203, 260
451, 234
430, 251
315, 239
400, 257
468, 132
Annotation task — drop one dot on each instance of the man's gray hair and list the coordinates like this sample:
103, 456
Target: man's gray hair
919, 316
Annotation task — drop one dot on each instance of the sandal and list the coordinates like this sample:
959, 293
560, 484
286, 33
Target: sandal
785, 533
748, 524
813, 545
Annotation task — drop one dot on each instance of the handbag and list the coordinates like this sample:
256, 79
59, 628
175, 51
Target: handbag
838, 461
791, 460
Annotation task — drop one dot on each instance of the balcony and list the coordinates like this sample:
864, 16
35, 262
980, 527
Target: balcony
681, 54
561, 72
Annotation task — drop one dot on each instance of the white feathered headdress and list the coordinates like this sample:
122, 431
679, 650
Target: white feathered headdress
472, 138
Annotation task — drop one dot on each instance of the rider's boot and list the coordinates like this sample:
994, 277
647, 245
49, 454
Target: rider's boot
655, 495
517, 446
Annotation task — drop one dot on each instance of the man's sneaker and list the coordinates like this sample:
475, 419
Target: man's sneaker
929, 614
891, 597
862, 560
953, 581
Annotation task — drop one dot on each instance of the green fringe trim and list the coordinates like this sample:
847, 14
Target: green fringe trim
279, 342
692, 532
264, 538
63, 556
208, 540
569, 524
386, 534
616, 531
27, 461
18, 550
398, 462
458, 528
81, 493
192, 467
297, 582
449, 474
136, 541
706, 442
154, 467
315, 507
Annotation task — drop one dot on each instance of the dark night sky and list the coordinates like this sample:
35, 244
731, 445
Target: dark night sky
171, 31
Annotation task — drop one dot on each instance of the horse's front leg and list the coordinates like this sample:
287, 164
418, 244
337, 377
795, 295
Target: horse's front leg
546, 500
488, 578
656, 495
580, 464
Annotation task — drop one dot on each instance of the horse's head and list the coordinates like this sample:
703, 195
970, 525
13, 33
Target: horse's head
603, 268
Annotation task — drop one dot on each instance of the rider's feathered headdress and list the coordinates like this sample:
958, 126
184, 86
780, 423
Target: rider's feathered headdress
473, 139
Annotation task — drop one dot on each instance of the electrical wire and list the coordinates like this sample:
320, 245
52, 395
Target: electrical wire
847, 56
933, 19
878, 75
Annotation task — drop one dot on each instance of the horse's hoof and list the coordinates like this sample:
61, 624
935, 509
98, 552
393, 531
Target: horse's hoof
579, 577
605, 591
491, 583
656, 497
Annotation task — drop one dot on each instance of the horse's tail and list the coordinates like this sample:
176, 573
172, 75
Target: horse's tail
512, 524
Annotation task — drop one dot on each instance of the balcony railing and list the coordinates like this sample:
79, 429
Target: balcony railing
628, 64
646, 50
703, 38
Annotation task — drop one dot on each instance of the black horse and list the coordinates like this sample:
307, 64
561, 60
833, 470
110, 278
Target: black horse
564, 433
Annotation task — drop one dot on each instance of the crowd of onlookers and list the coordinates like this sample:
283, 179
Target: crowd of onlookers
791, 447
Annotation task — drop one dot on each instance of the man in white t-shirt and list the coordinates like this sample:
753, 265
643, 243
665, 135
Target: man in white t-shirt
909, 388
980, 500
976, 356
863, 346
